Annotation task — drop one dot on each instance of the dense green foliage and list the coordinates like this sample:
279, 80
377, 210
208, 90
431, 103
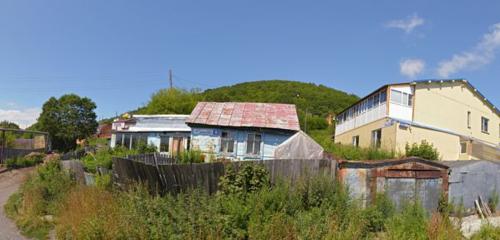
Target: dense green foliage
314, 101
29, 160
313, 208
250, 178
424, 150
103, 157
8, 125
67, 119
191, 156
347, 152
38, 197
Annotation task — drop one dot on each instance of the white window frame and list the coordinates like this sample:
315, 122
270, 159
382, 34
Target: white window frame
252, 144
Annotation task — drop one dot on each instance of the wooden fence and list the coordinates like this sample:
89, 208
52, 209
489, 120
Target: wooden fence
9, 153
165, 177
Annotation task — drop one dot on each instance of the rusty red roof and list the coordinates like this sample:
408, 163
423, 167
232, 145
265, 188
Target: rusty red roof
243, 114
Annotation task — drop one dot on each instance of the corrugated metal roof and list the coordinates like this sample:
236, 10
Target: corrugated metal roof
157, 123
239, 114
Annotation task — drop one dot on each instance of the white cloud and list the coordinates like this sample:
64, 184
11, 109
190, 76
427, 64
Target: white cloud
408, 24
22, 117
482, 54
411, 67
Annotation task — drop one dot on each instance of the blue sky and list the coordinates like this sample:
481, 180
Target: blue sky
118, 52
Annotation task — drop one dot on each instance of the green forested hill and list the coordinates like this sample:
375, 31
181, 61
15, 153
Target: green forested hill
317, 100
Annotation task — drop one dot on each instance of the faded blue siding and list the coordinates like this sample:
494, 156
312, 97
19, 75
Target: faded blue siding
208, 140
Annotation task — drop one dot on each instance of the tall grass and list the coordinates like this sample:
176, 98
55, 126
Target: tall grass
38, 197
313, 208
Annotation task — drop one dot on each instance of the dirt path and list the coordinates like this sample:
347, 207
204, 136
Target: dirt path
9, 183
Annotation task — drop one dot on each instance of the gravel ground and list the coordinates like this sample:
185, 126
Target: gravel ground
9, 183
472, 224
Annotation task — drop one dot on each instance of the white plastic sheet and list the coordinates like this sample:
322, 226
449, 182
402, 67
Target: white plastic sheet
299, 146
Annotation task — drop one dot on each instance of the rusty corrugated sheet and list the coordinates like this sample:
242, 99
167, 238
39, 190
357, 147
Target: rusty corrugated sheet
234, 114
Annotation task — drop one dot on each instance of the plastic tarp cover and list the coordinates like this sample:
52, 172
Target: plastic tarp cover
299, 146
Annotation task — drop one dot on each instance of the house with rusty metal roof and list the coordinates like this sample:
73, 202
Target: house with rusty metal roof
248, 131
451, 114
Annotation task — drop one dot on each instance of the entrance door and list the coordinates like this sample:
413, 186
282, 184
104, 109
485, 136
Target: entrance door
177, 145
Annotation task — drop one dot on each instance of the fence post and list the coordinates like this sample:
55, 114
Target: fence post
4, 143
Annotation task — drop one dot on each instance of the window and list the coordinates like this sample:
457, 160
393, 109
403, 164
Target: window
119, 139
126, 140
164, 143
227, 142
377, 138
463, 147
396, 96
383, 97
468, 119
484, 124
401, 98
253, 143
376, 99
355, 141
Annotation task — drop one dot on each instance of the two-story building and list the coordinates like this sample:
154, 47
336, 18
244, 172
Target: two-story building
451, 114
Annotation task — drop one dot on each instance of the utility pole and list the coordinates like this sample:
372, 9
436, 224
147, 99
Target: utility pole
170, 78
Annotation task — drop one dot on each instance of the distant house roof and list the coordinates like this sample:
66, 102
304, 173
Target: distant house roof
234, 114
427, 81
104, 130
153, 123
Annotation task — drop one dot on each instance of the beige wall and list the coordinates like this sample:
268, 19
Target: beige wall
446, 105
365, 135
448, 145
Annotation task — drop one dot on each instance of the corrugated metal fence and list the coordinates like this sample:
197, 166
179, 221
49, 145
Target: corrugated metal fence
162, 176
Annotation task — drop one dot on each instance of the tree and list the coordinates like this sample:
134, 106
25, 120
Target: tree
171, 101
8, 125
67, 119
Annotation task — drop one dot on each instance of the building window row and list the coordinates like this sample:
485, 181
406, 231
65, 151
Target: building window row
401, 98
369, 103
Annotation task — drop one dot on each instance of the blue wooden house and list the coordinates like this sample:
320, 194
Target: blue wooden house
244, 131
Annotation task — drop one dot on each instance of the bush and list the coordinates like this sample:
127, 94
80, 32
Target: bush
191, 156
104, 158
424, 150
250, 178
29, 160
409, 224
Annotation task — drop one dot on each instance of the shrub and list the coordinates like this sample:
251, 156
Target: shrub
191, 156
409, 224
379, 212
424, 150
29, 160
103, 158
250, 178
